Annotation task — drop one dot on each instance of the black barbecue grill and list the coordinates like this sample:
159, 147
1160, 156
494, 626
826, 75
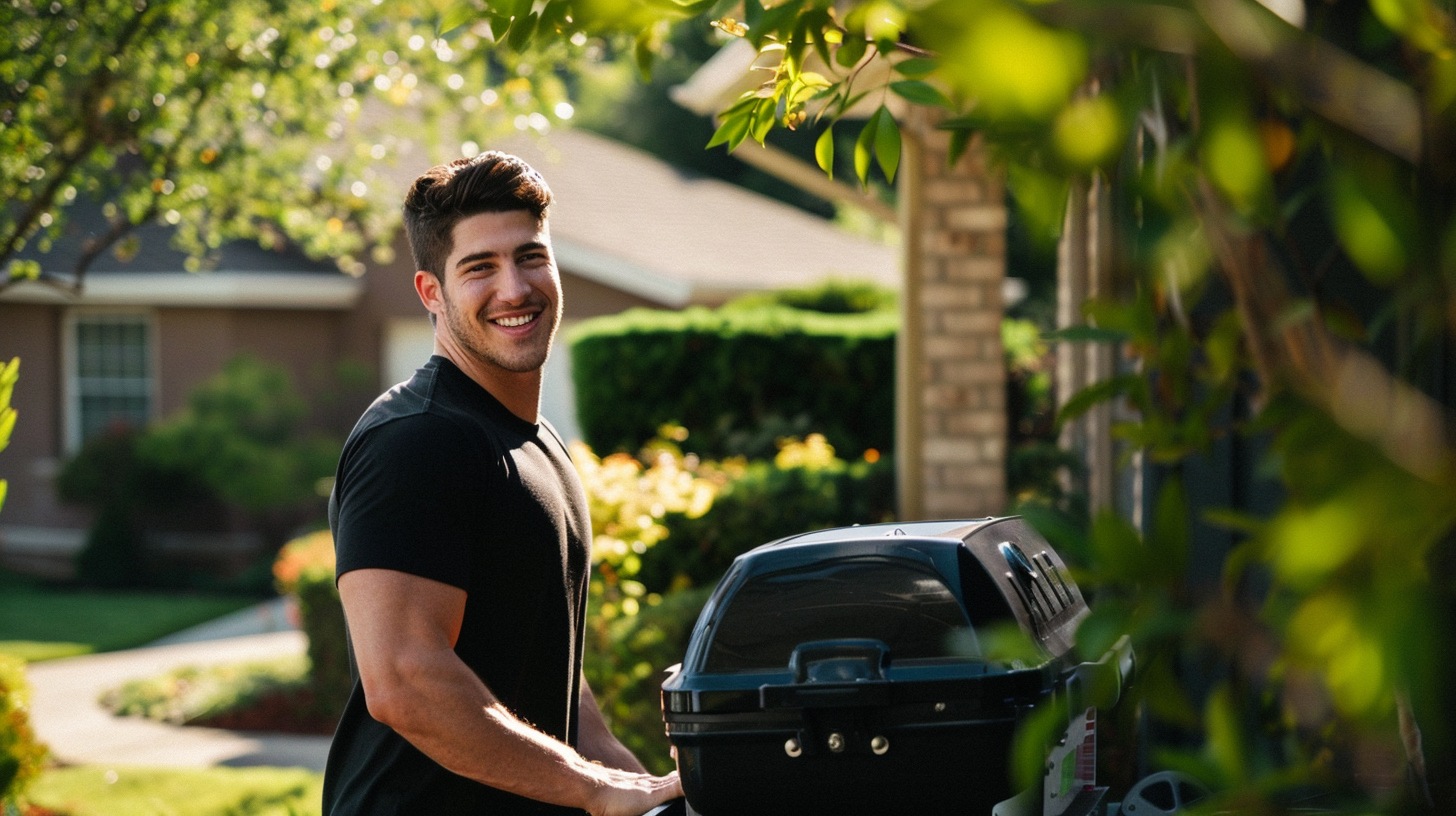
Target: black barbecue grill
841, 672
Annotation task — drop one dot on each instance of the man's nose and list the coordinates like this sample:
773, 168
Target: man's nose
512, 284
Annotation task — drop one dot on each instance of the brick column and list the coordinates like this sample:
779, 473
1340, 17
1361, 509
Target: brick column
952, 389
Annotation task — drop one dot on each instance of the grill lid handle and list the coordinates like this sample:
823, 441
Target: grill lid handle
846, 660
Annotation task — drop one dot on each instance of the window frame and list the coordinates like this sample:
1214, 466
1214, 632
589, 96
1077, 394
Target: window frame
70, 363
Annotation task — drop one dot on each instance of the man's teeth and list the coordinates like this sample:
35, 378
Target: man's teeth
520, 320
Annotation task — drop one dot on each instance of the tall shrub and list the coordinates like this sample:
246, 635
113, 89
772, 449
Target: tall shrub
305, 569
736, 378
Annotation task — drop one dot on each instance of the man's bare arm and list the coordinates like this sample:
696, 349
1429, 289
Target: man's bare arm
598, 743
403, 629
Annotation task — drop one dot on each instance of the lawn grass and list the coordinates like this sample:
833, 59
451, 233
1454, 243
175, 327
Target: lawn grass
99, 790
40, 622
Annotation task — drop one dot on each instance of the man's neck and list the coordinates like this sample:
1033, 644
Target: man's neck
519, 392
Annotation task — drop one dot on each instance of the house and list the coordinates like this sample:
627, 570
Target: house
628, 231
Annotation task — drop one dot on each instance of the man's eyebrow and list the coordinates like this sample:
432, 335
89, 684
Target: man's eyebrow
475, 256
486, 255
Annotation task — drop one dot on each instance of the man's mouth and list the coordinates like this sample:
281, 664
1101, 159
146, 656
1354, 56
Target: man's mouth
517, 320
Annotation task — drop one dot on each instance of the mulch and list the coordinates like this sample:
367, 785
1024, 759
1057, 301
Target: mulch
293, 711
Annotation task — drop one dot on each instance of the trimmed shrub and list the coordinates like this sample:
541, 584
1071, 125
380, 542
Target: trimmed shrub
305, 569
21, 755
736, 378
832, 297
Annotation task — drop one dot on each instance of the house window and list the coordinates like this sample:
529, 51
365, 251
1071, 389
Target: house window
111, 374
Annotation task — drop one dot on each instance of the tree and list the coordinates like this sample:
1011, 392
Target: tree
233, 119
1283, 190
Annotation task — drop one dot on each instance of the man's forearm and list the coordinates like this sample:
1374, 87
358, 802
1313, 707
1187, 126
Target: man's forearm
444, 710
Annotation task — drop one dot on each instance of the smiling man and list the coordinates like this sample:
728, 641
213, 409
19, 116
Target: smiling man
463, 541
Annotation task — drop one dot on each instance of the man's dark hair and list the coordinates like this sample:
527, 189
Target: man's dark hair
443, 195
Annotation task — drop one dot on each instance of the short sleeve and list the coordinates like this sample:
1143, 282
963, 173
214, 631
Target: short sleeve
408, 495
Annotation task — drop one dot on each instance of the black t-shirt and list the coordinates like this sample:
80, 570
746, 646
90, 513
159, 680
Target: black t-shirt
440, 480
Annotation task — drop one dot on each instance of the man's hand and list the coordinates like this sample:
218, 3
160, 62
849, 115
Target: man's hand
632, 794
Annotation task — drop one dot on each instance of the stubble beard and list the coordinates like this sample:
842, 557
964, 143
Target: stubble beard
471, 337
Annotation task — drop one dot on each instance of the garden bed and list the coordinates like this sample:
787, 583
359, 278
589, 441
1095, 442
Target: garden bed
261, 696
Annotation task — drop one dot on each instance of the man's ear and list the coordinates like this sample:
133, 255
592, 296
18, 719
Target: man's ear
427, 286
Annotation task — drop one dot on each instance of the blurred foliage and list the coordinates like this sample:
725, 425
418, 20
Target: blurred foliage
192, 693
241, 452
9, 373
243, 435
1036, 468
1280, 187
737, 378
21, 754
251, 119
305, 569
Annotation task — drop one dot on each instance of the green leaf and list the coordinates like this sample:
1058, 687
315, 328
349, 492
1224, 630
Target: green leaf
752, 13
887, 143
456, 16
4, 488
1034, 735
1225, 733
959, 141
521, 30
773, 21
553, 17
824, 151
763, 120
500, 25
916, 67
1082, 401
921, 93
851, 51
7, 424
1117, 549
732, 130
1171, 533
643, 53
864, 148
817, 20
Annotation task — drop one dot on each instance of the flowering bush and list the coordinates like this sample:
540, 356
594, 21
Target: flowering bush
629, 500
633, 634
21, 755
308, 558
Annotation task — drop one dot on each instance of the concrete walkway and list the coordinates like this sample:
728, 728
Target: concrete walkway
67, 716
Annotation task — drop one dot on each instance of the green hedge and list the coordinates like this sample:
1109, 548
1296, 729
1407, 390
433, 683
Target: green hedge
736, 378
